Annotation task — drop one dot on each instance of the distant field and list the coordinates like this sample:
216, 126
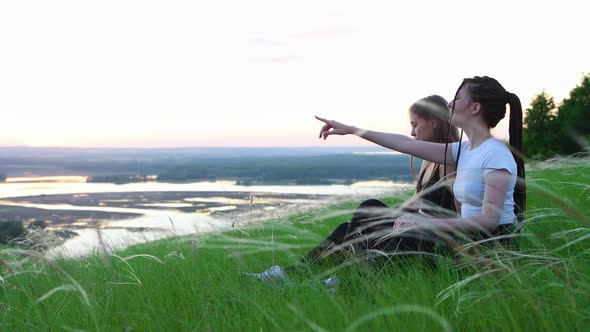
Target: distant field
248, 165
193, 283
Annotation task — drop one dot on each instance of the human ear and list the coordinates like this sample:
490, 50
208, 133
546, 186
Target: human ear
475, 108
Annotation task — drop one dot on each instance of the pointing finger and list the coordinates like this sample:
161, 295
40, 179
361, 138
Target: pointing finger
322, 119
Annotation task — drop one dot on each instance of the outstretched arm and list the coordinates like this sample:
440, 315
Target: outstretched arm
434, 152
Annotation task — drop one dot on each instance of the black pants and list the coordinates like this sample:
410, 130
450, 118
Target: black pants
370, 231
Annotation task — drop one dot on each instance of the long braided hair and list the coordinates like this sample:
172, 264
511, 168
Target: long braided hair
493, 98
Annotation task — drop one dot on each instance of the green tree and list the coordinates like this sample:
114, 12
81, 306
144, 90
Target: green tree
573, 116
541, 127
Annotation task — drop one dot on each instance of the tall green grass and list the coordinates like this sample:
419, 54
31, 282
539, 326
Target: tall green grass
193, 283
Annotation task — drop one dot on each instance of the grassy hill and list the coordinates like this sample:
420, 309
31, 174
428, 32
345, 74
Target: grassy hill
193, 283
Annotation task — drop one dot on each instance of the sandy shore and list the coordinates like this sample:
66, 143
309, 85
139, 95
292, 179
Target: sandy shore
58, 217
225, 206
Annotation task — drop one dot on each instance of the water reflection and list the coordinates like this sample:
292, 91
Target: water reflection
89, 208
158, 210
75, 186
120, 234
46, 179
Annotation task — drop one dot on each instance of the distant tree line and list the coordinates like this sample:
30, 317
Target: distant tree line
2, 177
315, 170
282, 168
564, 129
293, 170
120, 179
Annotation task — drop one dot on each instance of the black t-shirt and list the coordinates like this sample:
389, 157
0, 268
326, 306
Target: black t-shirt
440, 195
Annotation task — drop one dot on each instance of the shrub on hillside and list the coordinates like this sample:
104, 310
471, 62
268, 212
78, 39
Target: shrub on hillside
10, 230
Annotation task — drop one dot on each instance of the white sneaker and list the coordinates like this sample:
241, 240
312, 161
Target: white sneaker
271, 276
331, 283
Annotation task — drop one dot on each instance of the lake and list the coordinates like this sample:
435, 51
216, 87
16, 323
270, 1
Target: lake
112, 216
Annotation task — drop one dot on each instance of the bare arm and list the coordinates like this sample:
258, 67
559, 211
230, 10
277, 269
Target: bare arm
434, 152
496, 186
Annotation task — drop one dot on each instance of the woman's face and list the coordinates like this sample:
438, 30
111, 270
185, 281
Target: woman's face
422, 129
463, 107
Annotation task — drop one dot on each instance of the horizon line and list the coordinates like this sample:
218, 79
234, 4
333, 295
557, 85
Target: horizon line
194, 147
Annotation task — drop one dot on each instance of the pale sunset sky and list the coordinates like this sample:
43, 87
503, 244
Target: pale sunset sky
254, 73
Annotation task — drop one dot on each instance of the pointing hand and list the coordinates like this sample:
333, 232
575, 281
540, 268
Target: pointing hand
332, 127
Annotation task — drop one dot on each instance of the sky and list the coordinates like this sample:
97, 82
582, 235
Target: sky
254, 73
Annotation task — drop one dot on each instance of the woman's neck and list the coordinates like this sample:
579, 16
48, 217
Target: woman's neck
477, 135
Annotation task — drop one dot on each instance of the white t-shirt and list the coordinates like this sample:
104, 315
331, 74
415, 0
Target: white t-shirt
473, 165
